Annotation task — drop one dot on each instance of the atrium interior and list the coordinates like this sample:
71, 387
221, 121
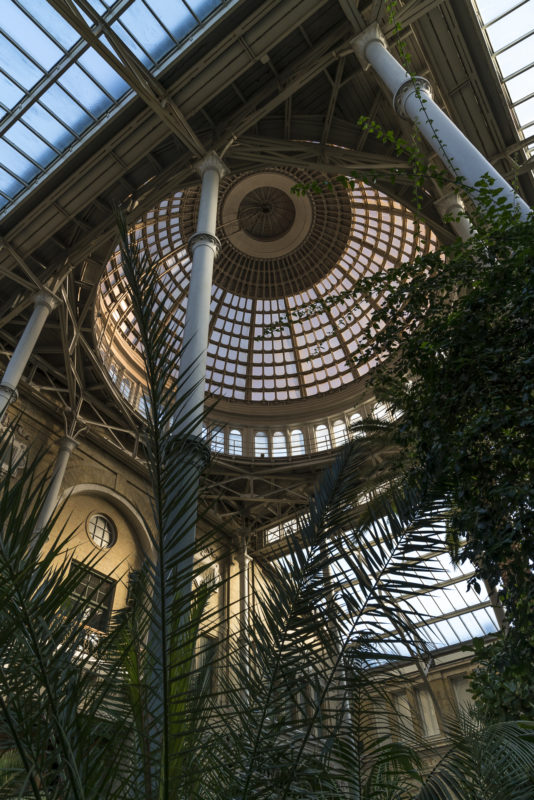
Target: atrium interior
113, 104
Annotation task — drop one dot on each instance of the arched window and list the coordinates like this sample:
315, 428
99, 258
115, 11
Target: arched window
235, 443
261, 445
217, 441
322, 438
279, 445
297, 443
355, 419
339, 432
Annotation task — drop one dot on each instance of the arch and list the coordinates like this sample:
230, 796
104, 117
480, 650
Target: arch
235, 442
261, 444
132, 515
297, 443
322, 438
279, 444
339, 432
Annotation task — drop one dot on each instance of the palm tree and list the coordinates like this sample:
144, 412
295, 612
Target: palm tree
166, 705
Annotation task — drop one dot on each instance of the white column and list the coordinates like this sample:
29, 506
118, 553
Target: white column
412, 99
203, 246
44, 303
450, 206
244, 560
66, 446
244, 600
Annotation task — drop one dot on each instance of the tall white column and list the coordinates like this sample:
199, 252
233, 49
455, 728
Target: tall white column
244, 561
203, 246
412, 99
44, 303
66, 446
182, 500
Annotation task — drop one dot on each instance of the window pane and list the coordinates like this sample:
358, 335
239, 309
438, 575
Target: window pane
235, 442
340, 433
279, 445
297, 443
322, 438
261, 445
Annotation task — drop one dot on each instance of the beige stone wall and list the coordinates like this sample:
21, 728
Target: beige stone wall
118, 561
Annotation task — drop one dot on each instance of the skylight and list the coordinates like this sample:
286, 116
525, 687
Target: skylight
509, 25
55, 88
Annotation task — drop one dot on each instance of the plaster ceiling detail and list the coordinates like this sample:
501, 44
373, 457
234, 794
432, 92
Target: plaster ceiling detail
279, 252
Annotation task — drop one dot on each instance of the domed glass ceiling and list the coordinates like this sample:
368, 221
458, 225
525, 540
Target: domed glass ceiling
278, 253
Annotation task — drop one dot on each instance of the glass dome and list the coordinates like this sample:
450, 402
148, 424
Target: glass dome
279, 252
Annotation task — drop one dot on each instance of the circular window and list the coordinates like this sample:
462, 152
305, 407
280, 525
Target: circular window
101, 531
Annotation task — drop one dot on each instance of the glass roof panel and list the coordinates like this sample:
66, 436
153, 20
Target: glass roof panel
57, 108
522, 85
31, 144
78, 84
93, 63
63, 106
16, 64
50, 128
16, 163
10, 93
100, 6
509, 28
28, 37
9, 185
49, 20
511, 25
151, 35
178, 19
202, 7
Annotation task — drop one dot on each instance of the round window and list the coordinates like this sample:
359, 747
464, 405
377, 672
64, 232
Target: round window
101, 531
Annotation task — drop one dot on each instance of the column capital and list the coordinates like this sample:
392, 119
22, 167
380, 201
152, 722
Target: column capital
67, 444
415, 84
47, 299
204, 238
450, 203
211, 161
359, 43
